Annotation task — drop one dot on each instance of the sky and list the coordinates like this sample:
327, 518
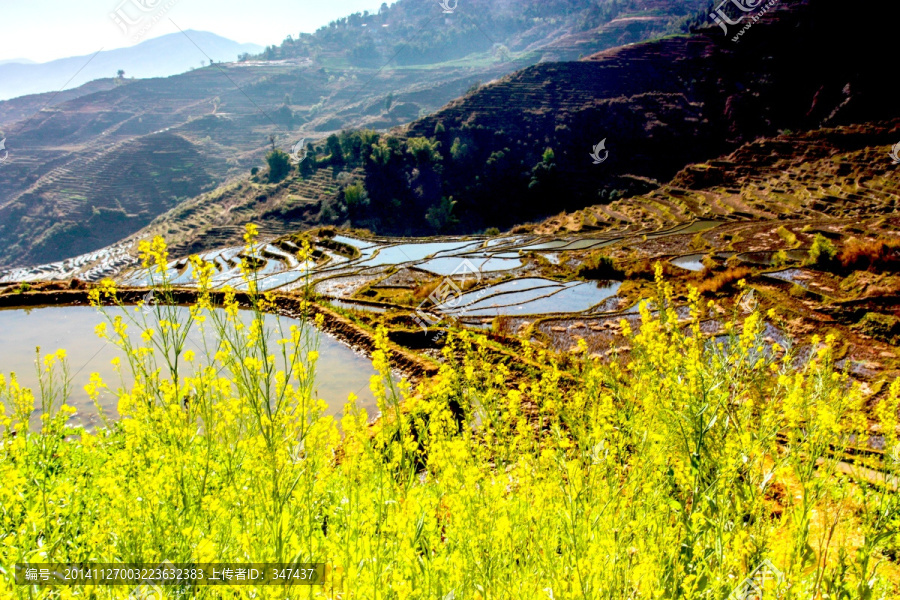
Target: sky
43, 30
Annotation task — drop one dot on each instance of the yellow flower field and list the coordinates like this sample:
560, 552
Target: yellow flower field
672, 472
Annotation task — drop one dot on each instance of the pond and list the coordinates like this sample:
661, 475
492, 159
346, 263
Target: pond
692, 262
535, 298
339, 372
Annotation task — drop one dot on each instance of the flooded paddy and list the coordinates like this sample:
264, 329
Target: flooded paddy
536, 296
402, 253
692, 262
340, 370
452, 265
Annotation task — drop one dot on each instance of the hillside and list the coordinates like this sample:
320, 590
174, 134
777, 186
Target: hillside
23, 107
51, 184
482, 161
658, 105
840, 174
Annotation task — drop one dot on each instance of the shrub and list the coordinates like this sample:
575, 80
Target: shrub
698, 242
822, 252
798, 291
878, 255
599, 266
279, 165
788, 236
883, 327
780, 258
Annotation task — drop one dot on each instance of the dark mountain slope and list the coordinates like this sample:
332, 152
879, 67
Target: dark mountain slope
842, 174
658, 105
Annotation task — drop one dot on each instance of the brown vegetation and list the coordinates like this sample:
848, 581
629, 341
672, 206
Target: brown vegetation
724, 281
878, 255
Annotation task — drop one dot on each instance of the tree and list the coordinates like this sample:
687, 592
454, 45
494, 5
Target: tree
459, 150
356, 145
120, 74
333, 143
356, 198
386, 151
822, 252
543, 175
549, 156
440, 216
279, 165
307, 166
423, 149
388, 102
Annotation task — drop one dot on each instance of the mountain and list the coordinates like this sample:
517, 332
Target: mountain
519, 149
21, 61
72, 181
158, 57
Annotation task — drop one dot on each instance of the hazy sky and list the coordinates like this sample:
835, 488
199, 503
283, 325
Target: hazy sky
43, 30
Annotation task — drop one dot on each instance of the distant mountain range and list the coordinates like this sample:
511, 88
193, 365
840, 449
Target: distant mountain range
159, 57
21, 61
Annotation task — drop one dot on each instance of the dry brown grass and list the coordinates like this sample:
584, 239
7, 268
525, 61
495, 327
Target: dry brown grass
723, 281
878, 255
645, 268
424, 290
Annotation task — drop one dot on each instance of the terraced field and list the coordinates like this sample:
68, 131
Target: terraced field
843, 173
